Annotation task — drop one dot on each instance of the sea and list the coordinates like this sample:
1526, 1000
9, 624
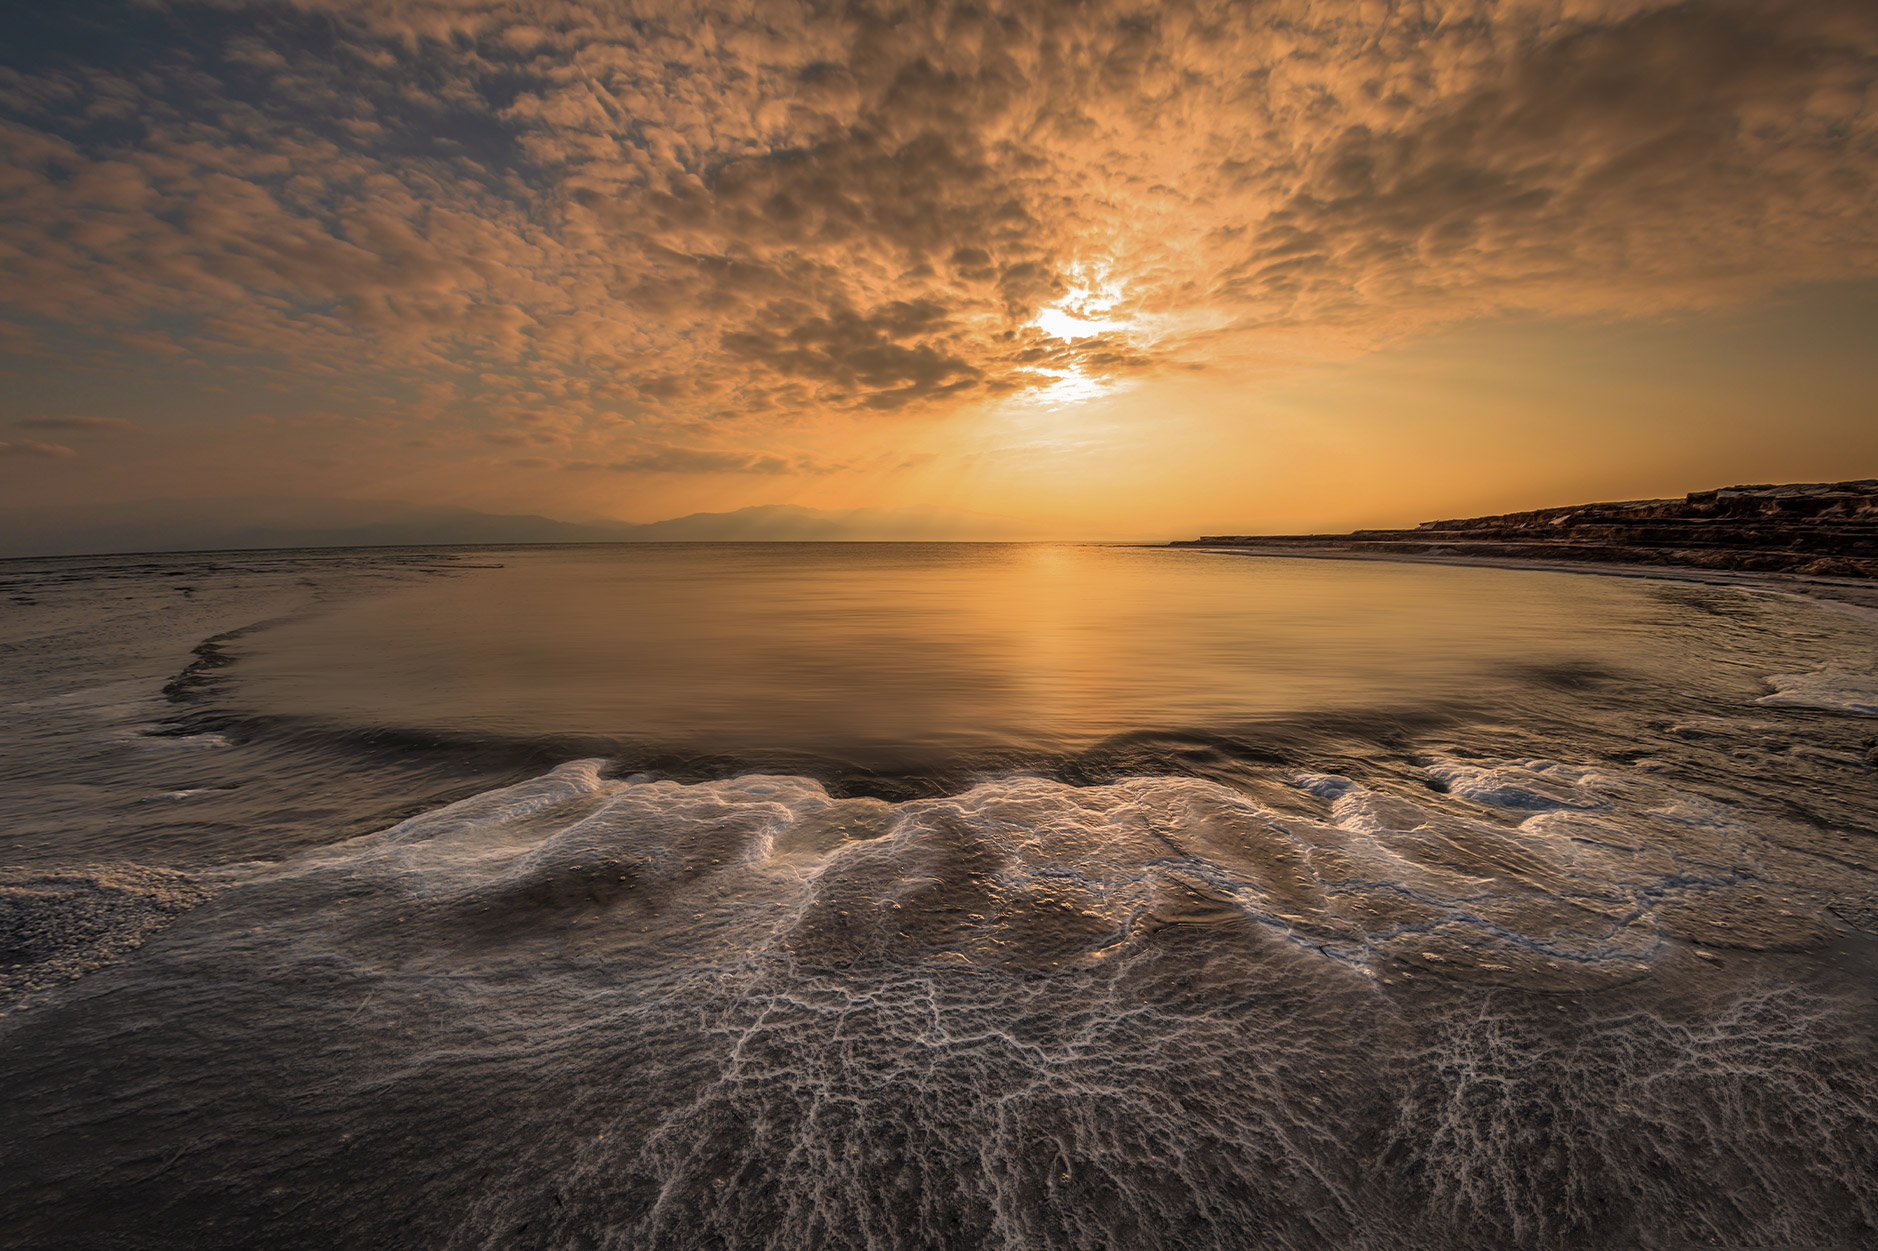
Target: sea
895, 896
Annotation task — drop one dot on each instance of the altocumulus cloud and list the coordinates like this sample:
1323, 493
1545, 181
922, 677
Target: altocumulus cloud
755, 214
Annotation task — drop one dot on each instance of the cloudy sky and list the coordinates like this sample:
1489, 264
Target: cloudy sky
1101, 267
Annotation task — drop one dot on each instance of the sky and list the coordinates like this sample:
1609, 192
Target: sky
1116, 269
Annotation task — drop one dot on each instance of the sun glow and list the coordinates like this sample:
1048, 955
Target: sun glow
1086, 311
1072, 386
1061, 323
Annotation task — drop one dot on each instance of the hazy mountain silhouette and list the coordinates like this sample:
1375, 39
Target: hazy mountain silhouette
238, 524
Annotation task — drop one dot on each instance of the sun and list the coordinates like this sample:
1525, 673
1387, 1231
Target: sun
1086, 311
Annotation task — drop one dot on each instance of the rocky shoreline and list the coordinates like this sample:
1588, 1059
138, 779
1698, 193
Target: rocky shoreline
1814, 529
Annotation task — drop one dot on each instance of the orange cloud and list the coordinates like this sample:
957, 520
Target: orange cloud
714, 221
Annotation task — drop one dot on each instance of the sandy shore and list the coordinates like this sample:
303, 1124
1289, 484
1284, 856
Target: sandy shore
1853, 594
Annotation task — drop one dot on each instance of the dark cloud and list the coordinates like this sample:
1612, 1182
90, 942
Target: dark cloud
886, 358
560, 214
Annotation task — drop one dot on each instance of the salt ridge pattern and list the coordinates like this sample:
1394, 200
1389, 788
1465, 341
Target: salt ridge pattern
604, 1012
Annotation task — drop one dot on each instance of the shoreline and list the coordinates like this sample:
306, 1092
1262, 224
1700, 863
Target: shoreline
1856, 597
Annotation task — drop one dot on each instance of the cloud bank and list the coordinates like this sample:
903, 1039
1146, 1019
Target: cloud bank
680, 231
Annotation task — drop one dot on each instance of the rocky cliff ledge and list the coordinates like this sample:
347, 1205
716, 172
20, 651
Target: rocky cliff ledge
1819, 529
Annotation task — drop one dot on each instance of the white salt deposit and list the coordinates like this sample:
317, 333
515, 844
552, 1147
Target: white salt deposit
1836, 687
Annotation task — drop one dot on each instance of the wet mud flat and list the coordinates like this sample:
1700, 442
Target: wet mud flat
112, 748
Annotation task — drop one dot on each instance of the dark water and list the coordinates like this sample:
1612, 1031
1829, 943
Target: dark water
898, 896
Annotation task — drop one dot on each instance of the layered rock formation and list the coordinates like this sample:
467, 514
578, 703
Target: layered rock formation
1820, 529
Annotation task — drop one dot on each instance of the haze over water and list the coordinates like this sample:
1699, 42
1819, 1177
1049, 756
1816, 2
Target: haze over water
930, 896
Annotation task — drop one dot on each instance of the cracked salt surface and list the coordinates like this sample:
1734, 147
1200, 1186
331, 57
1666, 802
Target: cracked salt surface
1600, 871
1155, 1012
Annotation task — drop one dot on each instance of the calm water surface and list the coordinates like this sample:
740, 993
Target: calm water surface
894, 651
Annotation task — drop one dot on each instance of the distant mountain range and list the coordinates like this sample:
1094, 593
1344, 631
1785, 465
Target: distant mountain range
236, 524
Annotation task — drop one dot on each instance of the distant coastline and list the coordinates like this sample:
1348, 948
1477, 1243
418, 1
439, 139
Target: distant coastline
1814, 539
